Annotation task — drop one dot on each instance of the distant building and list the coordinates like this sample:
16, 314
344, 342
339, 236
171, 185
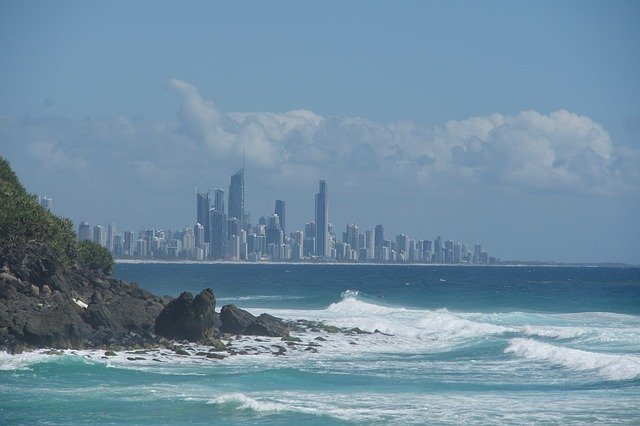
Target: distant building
218, 234
129, 245
198, 232
280, 211
322, 221
111, 232
203, 206
218, 199
369, 244
98, 235
236, 196
84, 232
45, 202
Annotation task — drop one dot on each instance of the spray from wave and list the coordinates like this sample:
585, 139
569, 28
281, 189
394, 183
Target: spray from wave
610, 366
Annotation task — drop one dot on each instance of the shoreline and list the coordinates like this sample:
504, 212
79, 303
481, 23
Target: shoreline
311, 263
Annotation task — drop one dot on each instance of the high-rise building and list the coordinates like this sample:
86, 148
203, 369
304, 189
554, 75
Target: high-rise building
84, 232
280, 211
218, 199
273, 233
98, 235
129, 245
402, 243
198, 232
218, 233
322, 221
438, 250
202, 213
111, 232
236, 196
369, 244
45, 202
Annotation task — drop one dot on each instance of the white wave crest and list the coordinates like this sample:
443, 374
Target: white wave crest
21, 361
610, 366
242, 401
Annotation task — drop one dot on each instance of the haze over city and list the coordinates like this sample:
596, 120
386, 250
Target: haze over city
525, 138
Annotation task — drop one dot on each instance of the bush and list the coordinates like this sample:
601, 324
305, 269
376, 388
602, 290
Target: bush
24, 221
93, 256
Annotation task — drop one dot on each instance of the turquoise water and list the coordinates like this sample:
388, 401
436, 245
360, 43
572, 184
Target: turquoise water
479, 345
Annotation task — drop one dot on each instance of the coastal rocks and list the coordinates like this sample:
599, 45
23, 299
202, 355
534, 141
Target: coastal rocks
98, 315
188, 318
234, 320
44, 304
267, 325
238, 321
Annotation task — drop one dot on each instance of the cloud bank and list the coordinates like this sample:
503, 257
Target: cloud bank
530, 152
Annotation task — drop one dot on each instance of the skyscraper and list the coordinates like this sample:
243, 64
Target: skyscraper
202, 213
111, 232
236, 195
84, 231
218, 234
218, 199
280, 211
322, 221
45, 202
98, 235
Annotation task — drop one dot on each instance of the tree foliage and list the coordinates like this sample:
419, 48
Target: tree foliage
23, 220
93, 256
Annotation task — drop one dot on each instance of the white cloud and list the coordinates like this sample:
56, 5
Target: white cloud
529, 151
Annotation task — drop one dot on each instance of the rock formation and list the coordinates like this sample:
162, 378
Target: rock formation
188, 318
238, 321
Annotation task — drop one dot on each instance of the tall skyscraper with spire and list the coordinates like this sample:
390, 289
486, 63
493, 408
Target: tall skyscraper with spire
322, 221
236, 196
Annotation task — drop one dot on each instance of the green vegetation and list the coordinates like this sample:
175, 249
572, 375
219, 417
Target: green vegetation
93, 256
23, 221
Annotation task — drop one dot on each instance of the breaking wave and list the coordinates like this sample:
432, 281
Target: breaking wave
610, 366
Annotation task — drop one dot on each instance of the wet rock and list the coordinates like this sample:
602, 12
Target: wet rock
98, 315
188, 318
234, 320
267, 325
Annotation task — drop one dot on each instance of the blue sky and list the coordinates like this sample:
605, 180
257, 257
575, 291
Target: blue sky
512, 123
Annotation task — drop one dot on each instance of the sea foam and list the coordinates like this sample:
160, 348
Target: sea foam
610, 366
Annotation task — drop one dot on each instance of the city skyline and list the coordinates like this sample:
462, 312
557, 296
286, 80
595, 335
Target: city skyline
512, 124
219, 235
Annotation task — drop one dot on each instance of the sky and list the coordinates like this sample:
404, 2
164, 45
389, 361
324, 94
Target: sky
513, 124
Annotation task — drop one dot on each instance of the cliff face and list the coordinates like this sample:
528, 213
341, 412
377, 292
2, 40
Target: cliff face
45, 304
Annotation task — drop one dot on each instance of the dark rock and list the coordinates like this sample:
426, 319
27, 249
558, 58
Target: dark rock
234, 320
98, 315
36, 307
267, 325
215, 356
188, 318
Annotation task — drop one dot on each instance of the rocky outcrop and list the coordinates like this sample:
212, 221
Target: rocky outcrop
43, 304
238, 321
234, 320
188, 318
267, 325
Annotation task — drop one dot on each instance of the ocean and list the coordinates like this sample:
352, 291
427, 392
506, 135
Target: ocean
447, 345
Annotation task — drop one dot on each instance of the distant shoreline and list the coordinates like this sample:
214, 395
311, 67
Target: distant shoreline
320, 263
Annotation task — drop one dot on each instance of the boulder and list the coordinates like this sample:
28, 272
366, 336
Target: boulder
98, 315
234, 320
188, 318
267, 325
